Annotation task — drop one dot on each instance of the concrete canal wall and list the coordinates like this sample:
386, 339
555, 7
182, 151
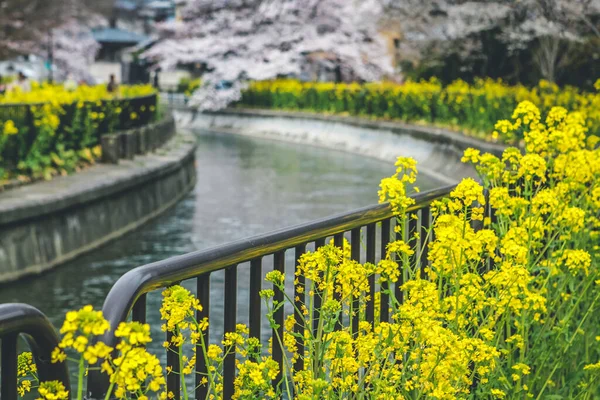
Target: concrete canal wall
437, 151
45, 224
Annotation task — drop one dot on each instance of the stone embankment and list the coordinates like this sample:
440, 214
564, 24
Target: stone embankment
144, 171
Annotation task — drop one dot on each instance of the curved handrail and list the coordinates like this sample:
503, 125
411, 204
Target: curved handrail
141, 280
22, 319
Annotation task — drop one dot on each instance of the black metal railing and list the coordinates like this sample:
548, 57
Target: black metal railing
22, 320
369, 230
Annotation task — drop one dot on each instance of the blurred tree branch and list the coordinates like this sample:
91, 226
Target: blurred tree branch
25, 24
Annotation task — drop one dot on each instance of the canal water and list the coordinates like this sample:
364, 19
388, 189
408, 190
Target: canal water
245, 187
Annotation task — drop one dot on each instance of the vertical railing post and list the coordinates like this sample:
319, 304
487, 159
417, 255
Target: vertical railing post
9, 367
255, 316
173, 377
413, 240
317, 296
338, 241
299, 299
398, 292
277, 341
425, 227
355, 255
370, 311
203, 294
384, 307
139, 310
489, 212
230, 311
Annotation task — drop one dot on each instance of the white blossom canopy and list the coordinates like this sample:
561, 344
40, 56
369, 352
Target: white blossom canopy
74, 49
452, 22
34, 24
241, 40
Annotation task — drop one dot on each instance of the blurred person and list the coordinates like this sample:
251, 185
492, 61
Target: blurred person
112, 84
22, 82
2, 85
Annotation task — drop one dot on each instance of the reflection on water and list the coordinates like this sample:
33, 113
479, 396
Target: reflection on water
245, 187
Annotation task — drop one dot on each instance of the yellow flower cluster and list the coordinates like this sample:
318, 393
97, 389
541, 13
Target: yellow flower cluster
178, 310
137, 371
134, 373
26, 373
178, 307
25, 364
330, 271
53, 390
255, 379
10, 128
77, 330
393, 189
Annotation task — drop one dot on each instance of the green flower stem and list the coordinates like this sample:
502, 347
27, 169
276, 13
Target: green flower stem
569, 343
80, 378
286, 361
112, 384
181, 374
109, 391
204, 346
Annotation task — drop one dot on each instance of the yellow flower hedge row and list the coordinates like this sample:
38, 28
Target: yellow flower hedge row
474, 108
51, 130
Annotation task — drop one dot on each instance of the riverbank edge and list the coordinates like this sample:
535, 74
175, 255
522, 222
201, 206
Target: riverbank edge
45, 224
438, 151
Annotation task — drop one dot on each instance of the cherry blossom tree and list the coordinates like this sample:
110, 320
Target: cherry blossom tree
62, 27
73, 45
74, 48
545, 27
443, 26
23, 24
553, 27
241, 40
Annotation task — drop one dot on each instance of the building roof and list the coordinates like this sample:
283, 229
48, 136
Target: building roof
126, 5
160, 4
132, 5
116, 35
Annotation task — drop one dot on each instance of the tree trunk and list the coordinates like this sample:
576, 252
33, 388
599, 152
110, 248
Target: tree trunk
546, 57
